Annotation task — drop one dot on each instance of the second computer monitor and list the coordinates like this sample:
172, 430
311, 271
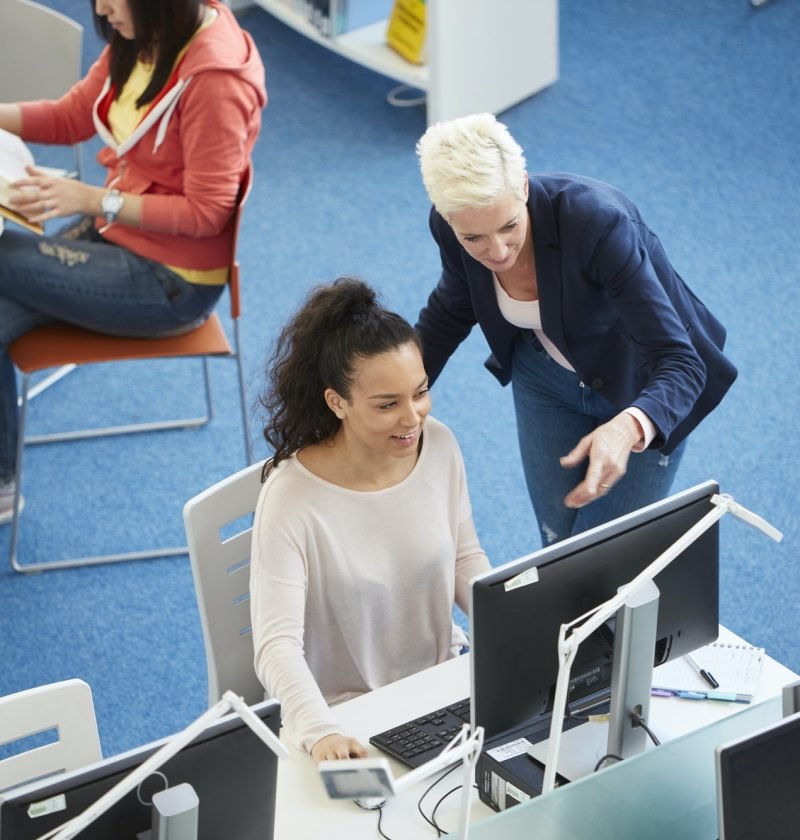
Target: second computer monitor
517, 609
757, 783
233, 773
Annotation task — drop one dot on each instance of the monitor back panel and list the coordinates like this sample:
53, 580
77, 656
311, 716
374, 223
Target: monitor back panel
232, 771
758, 784
514, 630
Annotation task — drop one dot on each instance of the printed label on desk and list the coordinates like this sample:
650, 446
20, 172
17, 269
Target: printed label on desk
510, 750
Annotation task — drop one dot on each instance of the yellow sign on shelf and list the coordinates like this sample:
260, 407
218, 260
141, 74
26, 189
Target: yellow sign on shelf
406, 31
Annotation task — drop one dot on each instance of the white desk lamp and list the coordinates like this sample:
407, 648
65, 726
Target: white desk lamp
229, 702
371, 779
583, 627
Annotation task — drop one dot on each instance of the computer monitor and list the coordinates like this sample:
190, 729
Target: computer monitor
757, 783
516, 610
791, 698
232, 771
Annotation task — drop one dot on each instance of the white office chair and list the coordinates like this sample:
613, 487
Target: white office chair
40, 58
221, 571
64, 706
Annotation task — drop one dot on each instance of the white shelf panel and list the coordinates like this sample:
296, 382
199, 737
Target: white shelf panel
365, 46
484, 56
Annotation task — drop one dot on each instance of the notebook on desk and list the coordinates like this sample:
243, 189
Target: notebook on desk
735, 666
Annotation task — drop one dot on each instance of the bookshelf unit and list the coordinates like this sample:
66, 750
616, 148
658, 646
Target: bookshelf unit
482, 55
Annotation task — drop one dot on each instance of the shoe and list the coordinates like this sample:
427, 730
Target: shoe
7, 503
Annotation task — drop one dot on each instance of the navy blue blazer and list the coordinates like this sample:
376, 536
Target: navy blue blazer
609, 300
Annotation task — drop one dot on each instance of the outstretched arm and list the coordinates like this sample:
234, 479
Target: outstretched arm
608, 448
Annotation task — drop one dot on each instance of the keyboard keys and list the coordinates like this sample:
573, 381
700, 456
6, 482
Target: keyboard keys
419, 740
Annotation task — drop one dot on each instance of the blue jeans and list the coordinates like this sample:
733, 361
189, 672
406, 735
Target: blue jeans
77, 277
554, 411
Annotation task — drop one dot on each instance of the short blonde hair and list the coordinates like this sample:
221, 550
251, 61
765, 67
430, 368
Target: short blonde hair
469, 162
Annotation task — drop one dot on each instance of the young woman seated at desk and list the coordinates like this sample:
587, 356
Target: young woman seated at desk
363, 536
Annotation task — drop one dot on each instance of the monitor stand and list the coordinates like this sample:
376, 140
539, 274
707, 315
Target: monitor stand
632, 672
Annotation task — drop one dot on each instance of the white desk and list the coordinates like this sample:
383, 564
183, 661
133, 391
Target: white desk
304, 811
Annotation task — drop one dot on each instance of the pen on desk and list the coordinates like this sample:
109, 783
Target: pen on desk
691, 695
706, 675
700, 695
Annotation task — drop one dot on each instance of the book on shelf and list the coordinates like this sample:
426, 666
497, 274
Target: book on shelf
335, 17
14, 157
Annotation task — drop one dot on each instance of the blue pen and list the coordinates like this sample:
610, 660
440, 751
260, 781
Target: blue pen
691, 695
727, 695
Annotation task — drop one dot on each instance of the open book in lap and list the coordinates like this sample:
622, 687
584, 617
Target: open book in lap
14, 157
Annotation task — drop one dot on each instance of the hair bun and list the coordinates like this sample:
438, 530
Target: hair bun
353, 297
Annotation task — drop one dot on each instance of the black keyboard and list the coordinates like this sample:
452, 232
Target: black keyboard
419, 740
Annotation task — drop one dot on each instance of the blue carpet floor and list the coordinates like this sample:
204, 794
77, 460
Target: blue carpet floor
692, 108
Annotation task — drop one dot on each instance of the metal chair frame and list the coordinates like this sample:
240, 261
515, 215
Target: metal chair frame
57, 344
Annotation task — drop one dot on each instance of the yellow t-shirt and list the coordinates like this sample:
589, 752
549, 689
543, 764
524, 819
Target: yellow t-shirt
124, 116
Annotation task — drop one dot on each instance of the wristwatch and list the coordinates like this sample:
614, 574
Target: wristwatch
111, 203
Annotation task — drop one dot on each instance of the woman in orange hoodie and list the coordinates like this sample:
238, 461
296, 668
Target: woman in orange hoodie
176, 97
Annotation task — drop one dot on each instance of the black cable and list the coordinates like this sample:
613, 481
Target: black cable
379, 809
603, 760
442, 799
380, 818
430, 787
638, 720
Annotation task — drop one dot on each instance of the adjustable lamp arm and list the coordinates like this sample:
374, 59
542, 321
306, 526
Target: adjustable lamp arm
583, 626
464, 747
228, 702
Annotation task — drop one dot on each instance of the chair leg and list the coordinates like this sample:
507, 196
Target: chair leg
104, 432
96, 560
248, 444
134, 428
23, 411
54, 377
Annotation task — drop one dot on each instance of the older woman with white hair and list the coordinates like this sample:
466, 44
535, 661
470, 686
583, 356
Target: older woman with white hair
611, 357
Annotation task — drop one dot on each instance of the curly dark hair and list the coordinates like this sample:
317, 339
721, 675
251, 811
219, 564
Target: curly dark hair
339, 325
162, 29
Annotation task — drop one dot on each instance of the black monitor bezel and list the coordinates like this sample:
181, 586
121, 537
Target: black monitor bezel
227, 742
508, 644
749, 797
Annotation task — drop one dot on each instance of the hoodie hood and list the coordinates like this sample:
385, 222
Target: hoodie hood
230, 49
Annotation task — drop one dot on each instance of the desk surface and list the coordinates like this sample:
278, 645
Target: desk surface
304, 811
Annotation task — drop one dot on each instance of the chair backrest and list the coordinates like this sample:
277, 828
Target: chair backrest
40, 54
221, 571
64, 706
40, 51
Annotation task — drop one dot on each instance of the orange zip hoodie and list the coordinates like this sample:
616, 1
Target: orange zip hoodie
189, 153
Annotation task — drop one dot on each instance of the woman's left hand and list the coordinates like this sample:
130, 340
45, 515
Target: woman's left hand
41, 197
608, 448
